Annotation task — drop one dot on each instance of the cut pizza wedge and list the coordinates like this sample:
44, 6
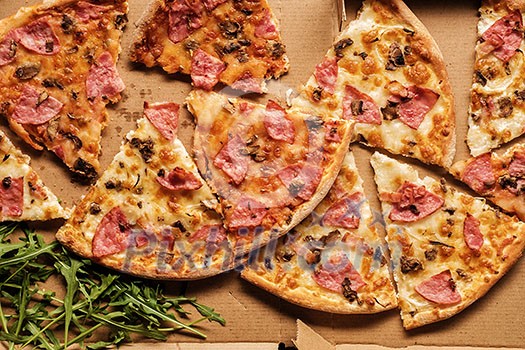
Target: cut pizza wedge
233, 42
151, 214
23, 196
448, 249
57, 69
497, 102
386, 73
501, 179
333, 260
270, 168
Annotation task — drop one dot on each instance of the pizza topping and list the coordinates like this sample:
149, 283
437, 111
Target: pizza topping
248, 213
410, 264
414, 104
112, 234
479, 174
232, 160
35, 108
517, 165
504, 37
344, 213
359, 106
212, 4
27, 71
145, 148
87, 11
103, 79
83, 169
440, 289
213, 235
8, 48
230, 29
412, 203
247, 83
333, 273
205, 70
184, 19
277, 125
265, 28
505, 107
39, 37
332, 131
301, 181
395, 57
472, 233
179, 179
326, 74
341, 45
12, 196
165, 118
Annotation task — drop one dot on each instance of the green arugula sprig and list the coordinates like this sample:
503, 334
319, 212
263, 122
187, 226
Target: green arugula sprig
94, 298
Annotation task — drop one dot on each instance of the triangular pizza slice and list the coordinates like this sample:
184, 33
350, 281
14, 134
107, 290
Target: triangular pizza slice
497, 108
386, 72
448, 248
269, 167
499, 178
23, 196
57, 69
233, 42
334, 259
151, 214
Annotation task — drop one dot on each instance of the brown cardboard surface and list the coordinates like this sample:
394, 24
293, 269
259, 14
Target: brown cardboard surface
308, 28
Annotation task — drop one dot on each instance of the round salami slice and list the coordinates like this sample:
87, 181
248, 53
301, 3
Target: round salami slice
331, 274
360, 107
440, 289
472, 233
412, 203
479, 175
86, 11
277, 125
8, 48
35, 107
12, 196
112, 234
326, 74
165, 118
38, 36
179, 179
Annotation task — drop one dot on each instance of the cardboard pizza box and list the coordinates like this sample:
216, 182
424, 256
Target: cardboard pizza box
255, 318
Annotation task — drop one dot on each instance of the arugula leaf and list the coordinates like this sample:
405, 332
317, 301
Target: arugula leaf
95, 299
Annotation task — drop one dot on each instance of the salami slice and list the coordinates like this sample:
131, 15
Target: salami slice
165, 118
35, 107
213, 235
86, 11
517, 165
232, 161
479, 174
326, 74
412, 203
361, 107
205, 70
277, 125
8, 48
504, 37
332, 274
472, 233
247, 214
265, 28
112, 234
179, 179
248, 83
420, 101
301, 180
212, 4
440, 289
345, 212
12, 196
103, 79
38, 36
184, 18
332, 131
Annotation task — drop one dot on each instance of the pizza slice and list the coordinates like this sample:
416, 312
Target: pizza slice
497, 100
57, 70
333, 260
501, 179
386, 73
233, 42
448, 249
23, 196
150, 213
269, 167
